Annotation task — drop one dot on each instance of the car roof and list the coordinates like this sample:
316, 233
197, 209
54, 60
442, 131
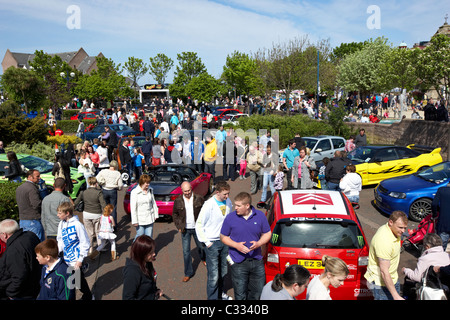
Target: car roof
320, 203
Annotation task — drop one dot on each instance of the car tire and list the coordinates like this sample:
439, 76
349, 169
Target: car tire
419, 209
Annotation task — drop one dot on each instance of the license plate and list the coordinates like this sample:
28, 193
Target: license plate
311, 264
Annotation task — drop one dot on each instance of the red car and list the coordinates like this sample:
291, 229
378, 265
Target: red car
166, 185
308, 224
218, 114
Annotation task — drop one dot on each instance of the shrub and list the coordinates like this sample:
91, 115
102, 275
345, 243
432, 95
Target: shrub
71, 126
39, 149
9, 208
23, 130
66, 139
68, 113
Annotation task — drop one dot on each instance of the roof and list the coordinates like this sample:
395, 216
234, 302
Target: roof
316, 202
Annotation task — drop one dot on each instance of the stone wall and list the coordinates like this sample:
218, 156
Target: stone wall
419, 132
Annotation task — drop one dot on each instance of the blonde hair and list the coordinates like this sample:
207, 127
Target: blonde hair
334, 265
108, 210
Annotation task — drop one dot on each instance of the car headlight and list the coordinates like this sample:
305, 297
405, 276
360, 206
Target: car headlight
398, 195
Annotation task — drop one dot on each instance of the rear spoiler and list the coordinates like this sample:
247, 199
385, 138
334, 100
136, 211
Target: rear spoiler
424, 149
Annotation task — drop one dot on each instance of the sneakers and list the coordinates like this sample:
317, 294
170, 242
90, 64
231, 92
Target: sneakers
226, 297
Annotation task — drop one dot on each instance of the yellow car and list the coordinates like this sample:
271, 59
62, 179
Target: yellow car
377, 163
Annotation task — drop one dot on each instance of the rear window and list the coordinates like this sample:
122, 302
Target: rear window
344, 234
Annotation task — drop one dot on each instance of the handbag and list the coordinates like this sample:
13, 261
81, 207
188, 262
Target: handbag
431, 287
156, 161
80, 206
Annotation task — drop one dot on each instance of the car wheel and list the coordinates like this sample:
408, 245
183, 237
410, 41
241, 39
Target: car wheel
211, 186
420, 209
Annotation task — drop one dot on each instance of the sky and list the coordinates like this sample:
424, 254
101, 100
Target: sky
213, 29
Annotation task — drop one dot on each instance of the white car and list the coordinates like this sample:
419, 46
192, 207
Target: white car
233, 118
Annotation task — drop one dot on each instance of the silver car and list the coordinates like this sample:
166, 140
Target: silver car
322, 146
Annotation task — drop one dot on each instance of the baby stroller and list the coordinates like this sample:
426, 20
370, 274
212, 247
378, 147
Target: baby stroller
415, 237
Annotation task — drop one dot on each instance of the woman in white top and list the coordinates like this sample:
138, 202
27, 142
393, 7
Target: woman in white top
144, 210
103, 156
334, 274
351, 184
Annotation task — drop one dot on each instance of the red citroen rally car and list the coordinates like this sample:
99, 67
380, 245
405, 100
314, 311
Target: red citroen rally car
308, 224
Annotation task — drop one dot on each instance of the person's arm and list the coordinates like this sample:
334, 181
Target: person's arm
386, 276
239, 246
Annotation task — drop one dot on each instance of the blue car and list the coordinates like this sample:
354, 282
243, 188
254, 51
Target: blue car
121, 130
414, 193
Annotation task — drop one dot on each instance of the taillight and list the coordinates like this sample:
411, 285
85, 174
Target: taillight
363, 259
273, 258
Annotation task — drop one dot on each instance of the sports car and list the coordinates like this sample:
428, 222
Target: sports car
166, 185
45, 168
377, 163
412, 193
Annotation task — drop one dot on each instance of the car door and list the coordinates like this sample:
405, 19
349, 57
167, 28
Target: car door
323, 149
384, 164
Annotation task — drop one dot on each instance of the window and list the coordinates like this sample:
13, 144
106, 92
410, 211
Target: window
338, 143
405, 153
386, 155
325, 145
344, 235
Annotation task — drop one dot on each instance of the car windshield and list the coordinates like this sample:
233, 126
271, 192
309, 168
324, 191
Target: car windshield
317, 234
310, 143
438, 173
361, 154
31, 162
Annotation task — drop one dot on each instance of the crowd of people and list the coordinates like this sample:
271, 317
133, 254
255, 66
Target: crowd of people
49, 245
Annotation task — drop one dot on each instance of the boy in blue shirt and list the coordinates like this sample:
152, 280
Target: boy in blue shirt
56, 275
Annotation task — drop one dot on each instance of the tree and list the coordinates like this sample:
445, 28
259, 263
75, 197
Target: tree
24, 87
434, 66
204, 87
345, 49
159, 67
189, 66
398, 69
240, 72
361, 70
136, 68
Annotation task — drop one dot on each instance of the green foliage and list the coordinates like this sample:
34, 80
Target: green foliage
135, 68
40, 149
71, 126
336, 120
159, 66
9, 108
189, 66
68, 113
23, 130
66, 139
9, 208
203, 87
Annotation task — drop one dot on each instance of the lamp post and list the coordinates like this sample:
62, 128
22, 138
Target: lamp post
66, 75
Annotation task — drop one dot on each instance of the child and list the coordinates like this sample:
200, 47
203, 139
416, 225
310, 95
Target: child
55, 273
73, 241
107, 225
279, 178
321, 176
137, 161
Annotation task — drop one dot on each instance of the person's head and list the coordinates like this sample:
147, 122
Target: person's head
350, 168
362, 131
59, 184
46, 251
292, 144
352, 137
186, 188
11, 155
222, 190
431, 240
113, 165
295, 280
336, 270
125, 142
269, 149
1, 144
7, 229
108, 209
242, 203
144, 181
325, 161
95, 141
337, 154
33, 175
92, 181
302, 151
65, 211
280, 168
143, 251
398, 222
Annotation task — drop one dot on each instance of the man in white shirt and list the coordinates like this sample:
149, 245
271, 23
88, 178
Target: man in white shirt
186, 209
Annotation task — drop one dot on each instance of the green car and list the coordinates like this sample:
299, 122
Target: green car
45, 168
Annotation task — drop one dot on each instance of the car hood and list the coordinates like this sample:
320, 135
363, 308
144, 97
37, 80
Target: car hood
406, 183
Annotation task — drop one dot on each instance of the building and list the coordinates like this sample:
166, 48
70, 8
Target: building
78, 60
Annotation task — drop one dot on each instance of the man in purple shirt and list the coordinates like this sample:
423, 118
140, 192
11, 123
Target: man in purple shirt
244, 231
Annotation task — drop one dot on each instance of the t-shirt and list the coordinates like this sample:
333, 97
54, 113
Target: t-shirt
317, 290
290, 156
384, 245
268, 294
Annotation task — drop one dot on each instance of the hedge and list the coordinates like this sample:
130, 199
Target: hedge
9, 208
71, 126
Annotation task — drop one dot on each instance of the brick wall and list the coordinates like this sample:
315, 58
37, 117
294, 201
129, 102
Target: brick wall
419, 132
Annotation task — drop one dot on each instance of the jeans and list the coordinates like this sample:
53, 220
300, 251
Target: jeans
110, 197
381, 292
333, 186
248, 279
186, 244
144, 230
34, 226
445, 237
353, 199
217, 268
268, 179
